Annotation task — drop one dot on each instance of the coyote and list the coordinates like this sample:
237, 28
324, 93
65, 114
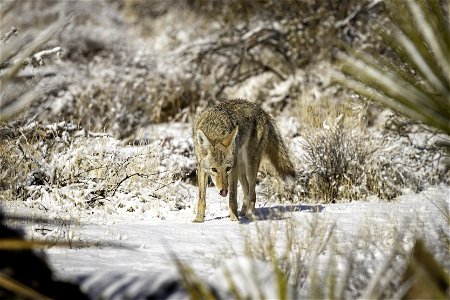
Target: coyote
230, 140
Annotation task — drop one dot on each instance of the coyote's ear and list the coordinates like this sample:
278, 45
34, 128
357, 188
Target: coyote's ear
230, 138
202, 139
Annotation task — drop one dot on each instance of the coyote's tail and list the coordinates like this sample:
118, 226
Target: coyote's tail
278, 153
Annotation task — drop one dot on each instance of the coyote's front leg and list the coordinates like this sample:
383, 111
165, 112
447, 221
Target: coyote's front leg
201, 204
232, 201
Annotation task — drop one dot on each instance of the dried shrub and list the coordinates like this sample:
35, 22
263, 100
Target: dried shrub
336, 160
312, 28
27, 152
56, 156
345, 163
122, 103
7, 160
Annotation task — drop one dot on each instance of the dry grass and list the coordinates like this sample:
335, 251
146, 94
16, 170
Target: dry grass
314, 111
75, 166
139, 100
310, 261
281, 244
337, 159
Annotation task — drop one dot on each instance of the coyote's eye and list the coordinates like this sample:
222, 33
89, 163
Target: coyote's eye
228, 169
214, 170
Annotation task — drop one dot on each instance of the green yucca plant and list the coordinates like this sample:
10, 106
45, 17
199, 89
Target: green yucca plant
419, 86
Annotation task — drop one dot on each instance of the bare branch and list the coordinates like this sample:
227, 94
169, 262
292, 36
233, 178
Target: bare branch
37, 59
9, 34
355, 13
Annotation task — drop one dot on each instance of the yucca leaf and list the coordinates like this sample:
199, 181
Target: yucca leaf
371, 93
420, 36
438, 60
411, 45
368, 72
429, 27
437, 15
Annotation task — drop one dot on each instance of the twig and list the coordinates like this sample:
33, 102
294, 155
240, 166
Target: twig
61, 126
37, 59
63, 181
354, 14
132, 175
164, 185
9, 34
85, 133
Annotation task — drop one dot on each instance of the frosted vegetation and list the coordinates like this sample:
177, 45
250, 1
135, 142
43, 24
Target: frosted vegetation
96, 155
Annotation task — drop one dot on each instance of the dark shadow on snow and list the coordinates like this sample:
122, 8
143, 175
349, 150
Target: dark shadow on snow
280, 212
218, 218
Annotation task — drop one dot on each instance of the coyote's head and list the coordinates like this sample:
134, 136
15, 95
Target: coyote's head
217, 160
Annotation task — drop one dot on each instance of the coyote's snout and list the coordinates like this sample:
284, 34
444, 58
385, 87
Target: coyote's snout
230, 140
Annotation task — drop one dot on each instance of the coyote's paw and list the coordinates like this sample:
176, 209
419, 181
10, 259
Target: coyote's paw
199, 219
250, 215
234, 218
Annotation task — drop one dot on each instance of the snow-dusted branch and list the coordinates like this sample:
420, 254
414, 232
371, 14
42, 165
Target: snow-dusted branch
37, 59
9, 34
355, 13
236, 55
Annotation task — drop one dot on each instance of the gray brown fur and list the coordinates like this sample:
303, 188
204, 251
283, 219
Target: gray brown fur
230, 140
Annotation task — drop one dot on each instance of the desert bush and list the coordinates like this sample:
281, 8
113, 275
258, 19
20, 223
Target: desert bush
28, 151
310, 28
104, 82
65, 166
270, 37
343, 155
259, 37
121, 103
353, 163
337, 160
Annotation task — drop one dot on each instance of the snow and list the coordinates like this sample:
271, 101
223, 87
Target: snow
148, 242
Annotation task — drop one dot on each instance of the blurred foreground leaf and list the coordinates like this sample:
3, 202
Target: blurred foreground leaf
15, 53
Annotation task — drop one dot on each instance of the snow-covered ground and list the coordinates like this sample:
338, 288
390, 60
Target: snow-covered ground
149, 242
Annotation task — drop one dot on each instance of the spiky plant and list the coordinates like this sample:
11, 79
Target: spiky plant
418, 83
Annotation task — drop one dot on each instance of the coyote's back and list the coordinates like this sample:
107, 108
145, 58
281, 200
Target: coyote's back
230, 139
